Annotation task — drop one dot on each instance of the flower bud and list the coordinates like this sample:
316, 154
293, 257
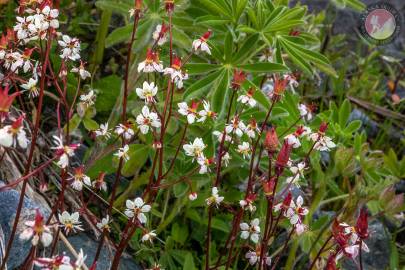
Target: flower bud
169, 5
239, 77
271, 141
192, 196
268, 186
362, 224
283, 157
323, 127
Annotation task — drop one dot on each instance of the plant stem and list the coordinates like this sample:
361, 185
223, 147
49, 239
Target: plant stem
31, 152
320, 252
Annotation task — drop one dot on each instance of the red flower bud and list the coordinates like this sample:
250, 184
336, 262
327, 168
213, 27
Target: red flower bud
206, 35
283, 157
239, 77
6, 101
138, 5
362, 224
176, 63
271, 141
323, 127
268, 186
169, 5
279, 87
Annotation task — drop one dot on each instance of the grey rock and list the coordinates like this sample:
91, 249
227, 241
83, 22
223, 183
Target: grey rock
89, 246
8, 207
379, 245
368, 125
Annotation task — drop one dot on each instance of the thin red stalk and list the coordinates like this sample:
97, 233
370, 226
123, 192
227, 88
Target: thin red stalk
123, 119
208, 241
284, 248
320, 252
177, 152
360, 257
31, 152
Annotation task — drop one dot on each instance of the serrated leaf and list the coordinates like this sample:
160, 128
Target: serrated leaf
264, 67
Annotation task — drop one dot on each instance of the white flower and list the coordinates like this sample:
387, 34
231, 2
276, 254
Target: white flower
125, 130
206, 112
147, 92
149, 236
253, 257
220, 135
37, 230
204, 164
201, 43
248, 205
84, 74
147, 119
103, 131
225, 159
14, 134
252, 230
88, 98
215, 199
293, 140
137, 208
31, 87
79, 178
251, 129
295, 213
298, 172
189, 112
305, 112
123, 153
192, 196
63, 151
267, 56
195, 149
70, 48
104, 224
322, 142
236, 126
151, 63
70, 222
176, 74
248, 98
244, 149
160, 36
22, 28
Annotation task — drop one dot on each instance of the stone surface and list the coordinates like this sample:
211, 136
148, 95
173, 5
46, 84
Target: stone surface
89, 246
379, 245
8, 206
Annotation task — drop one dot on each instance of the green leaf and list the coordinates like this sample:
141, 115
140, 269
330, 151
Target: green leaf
200, 68
352, 127
264, 67
247, 49
189, 262
198, 88
344, 113
211, 20
309, 55
114, 6
74, 123
90, 124
220, 94
296, 57
228, 47
138, 154
179, 233
119, 35
108, 90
